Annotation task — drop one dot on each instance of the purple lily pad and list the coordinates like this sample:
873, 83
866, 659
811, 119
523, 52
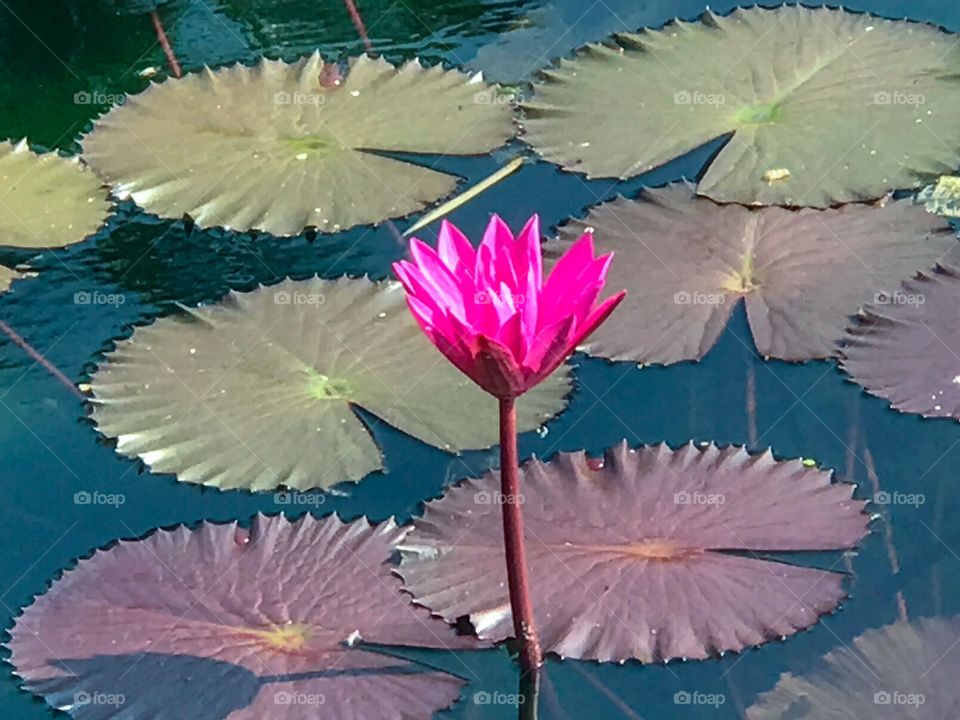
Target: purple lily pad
907, 349
686, 262
220, 622
903, 670
652, 556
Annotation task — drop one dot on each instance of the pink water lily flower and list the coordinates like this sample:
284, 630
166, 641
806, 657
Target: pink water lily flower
490, 312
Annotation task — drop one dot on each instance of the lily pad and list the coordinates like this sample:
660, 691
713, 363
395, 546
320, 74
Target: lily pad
822, 106
47, 201
8, 276
943, 197
221, 621
907, 348
271, 147
652, 556
903, 670
261, 390
686, 262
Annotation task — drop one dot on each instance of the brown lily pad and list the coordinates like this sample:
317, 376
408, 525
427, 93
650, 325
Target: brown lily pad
906, 348
651, 557
686, 262
223, 622
904, 670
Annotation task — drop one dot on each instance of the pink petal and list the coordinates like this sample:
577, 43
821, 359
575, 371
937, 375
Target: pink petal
499, 373
495, 256
548, 343
512, 337
529, 263
436, 275
563, 279
455, 249
597, 318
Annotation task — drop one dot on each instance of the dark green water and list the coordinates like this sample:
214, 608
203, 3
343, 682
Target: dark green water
48, 451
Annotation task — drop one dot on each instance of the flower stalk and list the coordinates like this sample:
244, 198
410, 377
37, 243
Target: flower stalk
518, 578
490, 311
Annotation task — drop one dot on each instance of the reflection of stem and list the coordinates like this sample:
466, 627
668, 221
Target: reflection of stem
551, 701
735, 692
358, 24
529, 694
47, 365
935, 589
887, 530
518, 579
751, 401
628, 712
165, 43
888, 526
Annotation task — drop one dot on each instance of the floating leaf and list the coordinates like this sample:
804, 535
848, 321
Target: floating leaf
903, 670
686, 262
907, 348
943, 197
823, 106
47, 201
260, 390
222, 622
271, 148
8, 276
652, 556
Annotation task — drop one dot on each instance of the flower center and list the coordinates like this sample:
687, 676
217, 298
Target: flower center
311, 145
762, 114
286, 638
328, 388
745, 279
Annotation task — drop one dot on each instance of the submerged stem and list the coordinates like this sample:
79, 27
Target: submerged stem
529, 696
165, 44
40, 359
358, 24
518, 579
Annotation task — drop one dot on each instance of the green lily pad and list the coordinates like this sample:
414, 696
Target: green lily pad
943, 197
47, 201
259, 391
823, 106
7, 277
272, 148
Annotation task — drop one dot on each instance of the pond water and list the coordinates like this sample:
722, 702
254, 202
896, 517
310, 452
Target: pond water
49, 451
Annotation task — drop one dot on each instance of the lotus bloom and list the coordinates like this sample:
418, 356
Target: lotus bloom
490, 312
